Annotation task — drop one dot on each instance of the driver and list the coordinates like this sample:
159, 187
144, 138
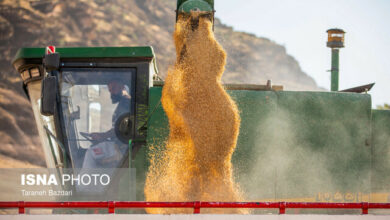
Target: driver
119, 95
108, 153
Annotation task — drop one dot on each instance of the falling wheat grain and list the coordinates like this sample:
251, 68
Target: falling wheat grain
204, 125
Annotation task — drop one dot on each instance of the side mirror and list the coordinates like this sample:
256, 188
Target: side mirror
48, 95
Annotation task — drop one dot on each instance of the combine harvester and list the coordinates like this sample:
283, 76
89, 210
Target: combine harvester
297, 152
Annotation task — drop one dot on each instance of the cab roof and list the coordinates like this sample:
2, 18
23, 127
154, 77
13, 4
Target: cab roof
88, 52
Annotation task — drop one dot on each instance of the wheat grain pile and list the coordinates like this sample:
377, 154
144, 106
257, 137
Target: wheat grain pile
204, 122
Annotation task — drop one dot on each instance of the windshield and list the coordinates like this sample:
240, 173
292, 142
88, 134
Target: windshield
54, 153
93, 101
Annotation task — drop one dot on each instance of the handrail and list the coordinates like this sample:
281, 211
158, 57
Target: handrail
197, 205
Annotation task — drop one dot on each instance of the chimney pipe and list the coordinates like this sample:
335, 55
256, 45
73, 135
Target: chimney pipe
335, 42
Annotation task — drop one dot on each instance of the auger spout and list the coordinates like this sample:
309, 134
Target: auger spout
204, 7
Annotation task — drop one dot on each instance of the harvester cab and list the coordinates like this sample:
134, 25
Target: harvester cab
90, 104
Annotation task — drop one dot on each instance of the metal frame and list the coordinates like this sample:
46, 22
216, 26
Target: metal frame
196, 205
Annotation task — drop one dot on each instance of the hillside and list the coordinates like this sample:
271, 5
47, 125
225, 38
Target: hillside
32, 23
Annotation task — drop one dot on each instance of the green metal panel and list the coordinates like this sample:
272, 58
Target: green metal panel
303, 143
322, 141
294, 144
158, 122
88, 52
157, 132
256, 132
381, 151
140, 164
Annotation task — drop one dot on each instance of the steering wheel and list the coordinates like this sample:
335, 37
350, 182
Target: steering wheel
86, 136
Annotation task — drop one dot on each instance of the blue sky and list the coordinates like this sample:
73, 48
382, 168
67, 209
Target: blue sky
300, 25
